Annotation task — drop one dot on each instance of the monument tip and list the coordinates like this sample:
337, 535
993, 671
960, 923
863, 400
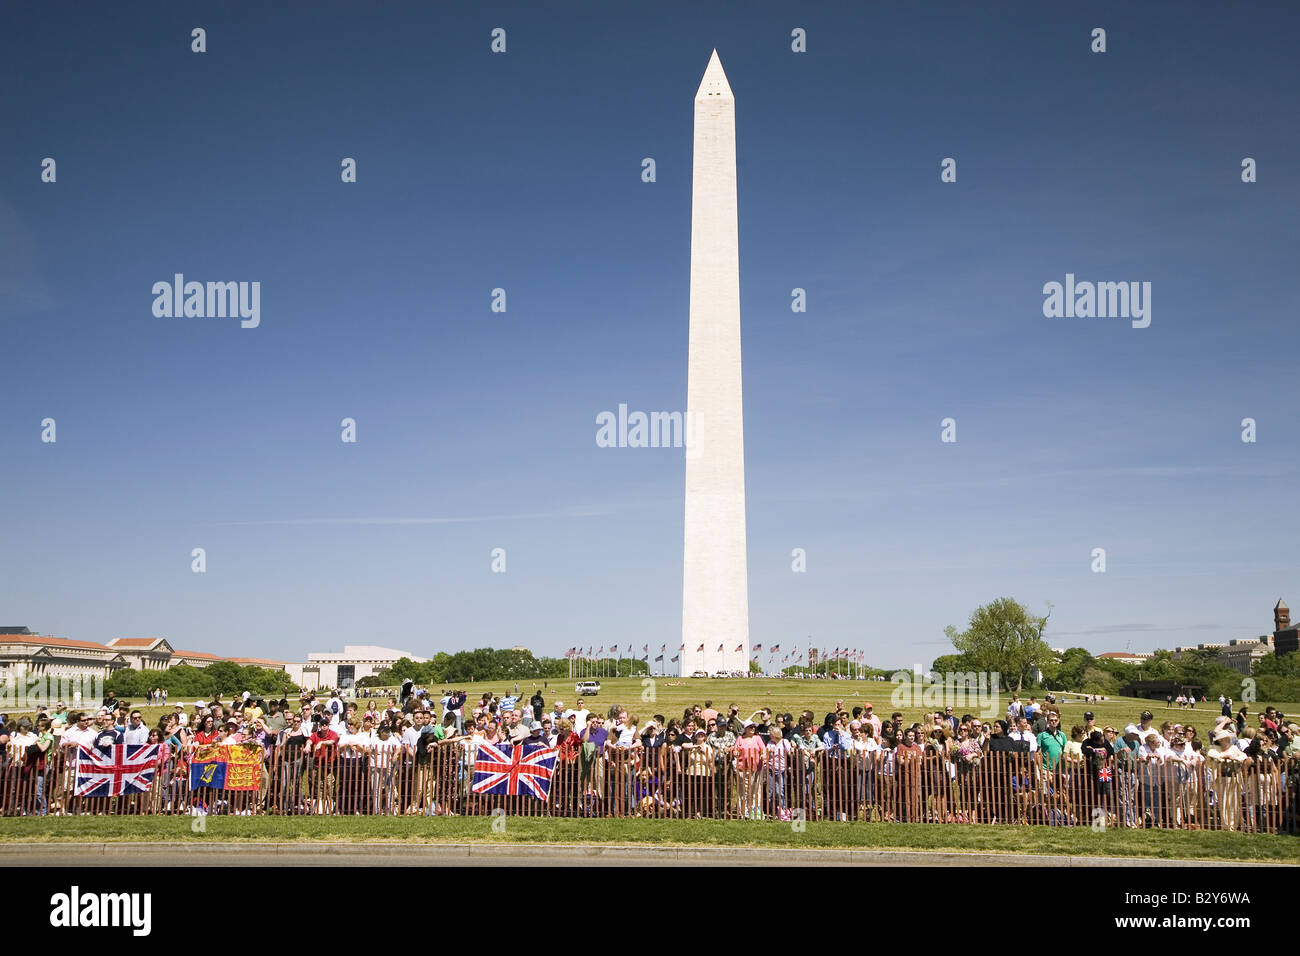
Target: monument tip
715, 80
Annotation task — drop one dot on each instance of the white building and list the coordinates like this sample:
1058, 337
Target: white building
345, 669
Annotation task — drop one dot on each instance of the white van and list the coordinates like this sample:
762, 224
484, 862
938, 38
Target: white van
587, 688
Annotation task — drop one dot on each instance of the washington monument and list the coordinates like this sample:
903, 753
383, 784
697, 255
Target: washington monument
715, 590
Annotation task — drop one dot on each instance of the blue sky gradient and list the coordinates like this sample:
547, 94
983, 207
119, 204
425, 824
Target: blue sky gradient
477, 430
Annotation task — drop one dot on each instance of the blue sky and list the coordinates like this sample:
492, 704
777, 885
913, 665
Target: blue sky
476, 430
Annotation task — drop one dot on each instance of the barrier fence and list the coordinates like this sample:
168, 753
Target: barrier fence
697, 782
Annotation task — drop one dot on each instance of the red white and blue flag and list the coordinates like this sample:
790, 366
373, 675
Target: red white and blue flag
115, 770
509, 771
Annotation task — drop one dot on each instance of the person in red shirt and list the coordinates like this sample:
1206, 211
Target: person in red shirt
207, 732
323, 752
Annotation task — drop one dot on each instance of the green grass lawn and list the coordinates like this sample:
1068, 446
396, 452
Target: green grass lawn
1077, 841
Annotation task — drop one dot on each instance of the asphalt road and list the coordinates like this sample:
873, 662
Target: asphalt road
479, 854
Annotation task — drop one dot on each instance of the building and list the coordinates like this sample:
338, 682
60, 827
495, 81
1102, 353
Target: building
23, 652
1241, 655
1208, 646
144, 653
58, 657
1160, 689
345, 669
1124, 657
1286, 638
715, 584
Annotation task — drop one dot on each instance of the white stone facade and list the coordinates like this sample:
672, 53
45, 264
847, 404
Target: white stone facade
715, 595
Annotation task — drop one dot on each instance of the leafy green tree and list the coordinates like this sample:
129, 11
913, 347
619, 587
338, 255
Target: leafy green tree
225, 678
1094, 680
1003, 637
951, 664
127, 684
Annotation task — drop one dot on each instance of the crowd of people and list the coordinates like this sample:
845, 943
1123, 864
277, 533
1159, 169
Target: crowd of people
416, 754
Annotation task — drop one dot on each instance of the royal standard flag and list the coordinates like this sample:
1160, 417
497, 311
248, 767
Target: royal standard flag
227, 767
208, 768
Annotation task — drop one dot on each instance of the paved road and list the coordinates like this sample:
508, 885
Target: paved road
480, 854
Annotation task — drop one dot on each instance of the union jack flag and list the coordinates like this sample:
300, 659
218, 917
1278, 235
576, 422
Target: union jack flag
116, 770
509, 770
1103, 774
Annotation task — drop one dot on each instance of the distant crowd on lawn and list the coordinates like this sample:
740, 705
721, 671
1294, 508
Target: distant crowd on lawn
759, 765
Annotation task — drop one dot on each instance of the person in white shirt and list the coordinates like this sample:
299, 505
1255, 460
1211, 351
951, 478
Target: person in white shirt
579, 715
1024, 732
136, 731
1225, 759
23, 737
411, 735
385, 751
625, 730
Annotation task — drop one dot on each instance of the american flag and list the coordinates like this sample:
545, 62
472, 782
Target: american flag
758, 648
116, 770
775, 648
674, 658
720, 648
700, 648
601, 651
510, 770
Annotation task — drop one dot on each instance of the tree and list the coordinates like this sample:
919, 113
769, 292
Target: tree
225, 678
951, 664
1003, 638
1094, 680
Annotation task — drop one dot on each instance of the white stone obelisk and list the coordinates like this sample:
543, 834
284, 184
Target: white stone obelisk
715, 591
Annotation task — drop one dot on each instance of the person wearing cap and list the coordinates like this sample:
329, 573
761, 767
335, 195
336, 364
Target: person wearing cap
869, 715
1225, 761
722, 742
1125, 747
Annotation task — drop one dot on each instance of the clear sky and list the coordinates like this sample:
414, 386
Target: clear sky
476, 430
